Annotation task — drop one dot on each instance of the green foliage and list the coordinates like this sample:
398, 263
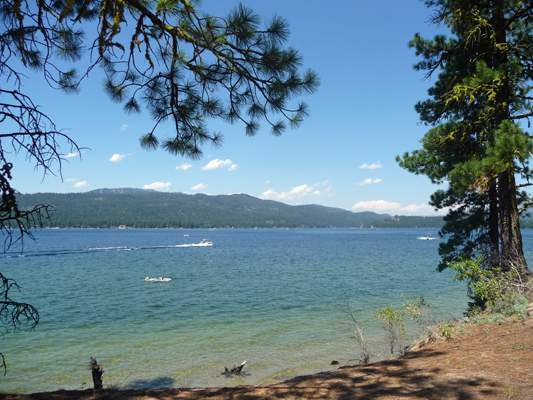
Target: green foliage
237, 56
510, 305
495, 318
446, 332
504, 291
418, 310
476, 144
393, 320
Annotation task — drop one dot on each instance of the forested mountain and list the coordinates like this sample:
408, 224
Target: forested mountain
138, 208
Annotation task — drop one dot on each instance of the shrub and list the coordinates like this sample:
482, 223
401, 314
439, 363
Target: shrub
510, 305
394, 324
492, 285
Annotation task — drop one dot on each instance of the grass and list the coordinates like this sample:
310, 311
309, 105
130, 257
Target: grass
510, 392
520, 345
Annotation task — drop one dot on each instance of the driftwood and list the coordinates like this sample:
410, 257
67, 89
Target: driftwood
235, 369
97, 375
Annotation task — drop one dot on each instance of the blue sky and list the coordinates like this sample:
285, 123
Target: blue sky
342, 156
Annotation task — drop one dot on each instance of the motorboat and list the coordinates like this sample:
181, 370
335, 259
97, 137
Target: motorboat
147, 279
205, 242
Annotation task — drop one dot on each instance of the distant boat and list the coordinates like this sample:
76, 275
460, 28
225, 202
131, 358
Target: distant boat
427, 237
185, 235
147, 279
205, 242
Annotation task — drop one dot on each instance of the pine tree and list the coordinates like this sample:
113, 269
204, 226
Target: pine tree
477, 145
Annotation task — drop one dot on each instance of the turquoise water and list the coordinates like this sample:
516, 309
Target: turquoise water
270, 297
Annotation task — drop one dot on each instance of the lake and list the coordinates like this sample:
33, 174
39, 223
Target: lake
272, 297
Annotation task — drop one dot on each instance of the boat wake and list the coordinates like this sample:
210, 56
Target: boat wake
100, 249
427, 238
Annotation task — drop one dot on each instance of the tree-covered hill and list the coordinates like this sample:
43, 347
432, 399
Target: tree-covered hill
137, 208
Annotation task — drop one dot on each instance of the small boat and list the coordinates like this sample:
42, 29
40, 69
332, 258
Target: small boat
147, 279
205, 242
185, 235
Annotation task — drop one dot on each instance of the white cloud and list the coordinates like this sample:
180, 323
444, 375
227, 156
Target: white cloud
414, 208
296, 192
118, 157
394, 207
70, 155
380, 205
184, 167
157, 185
70, 180
124, 127
200, 186
269, 194
371, 166
81, 184
369, 181
216, 164
327, 191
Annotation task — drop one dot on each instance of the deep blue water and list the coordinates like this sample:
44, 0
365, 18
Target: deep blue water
270, 297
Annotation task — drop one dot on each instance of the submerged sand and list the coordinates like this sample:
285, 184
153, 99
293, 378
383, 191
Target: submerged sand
491, 361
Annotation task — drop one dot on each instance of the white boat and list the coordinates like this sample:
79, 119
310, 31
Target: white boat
205, 242
147, 279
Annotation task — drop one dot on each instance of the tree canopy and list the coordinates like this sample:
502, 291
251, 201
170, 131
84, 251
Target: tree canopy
169, 57
478, 109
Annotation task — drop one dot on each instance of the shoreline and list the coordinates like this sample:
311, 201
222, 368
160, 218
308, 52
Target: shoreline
489, 361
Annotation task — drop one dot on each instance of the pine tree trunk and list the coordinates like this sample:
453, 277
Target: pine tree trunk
511, 252
494, 233
511, 236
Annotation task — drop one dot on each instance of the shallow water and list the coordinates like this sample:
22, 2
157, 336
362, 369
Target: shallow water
270, 297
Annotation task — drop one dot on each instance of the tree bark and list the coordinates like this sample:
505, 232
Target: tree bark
494, 233
512, 252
